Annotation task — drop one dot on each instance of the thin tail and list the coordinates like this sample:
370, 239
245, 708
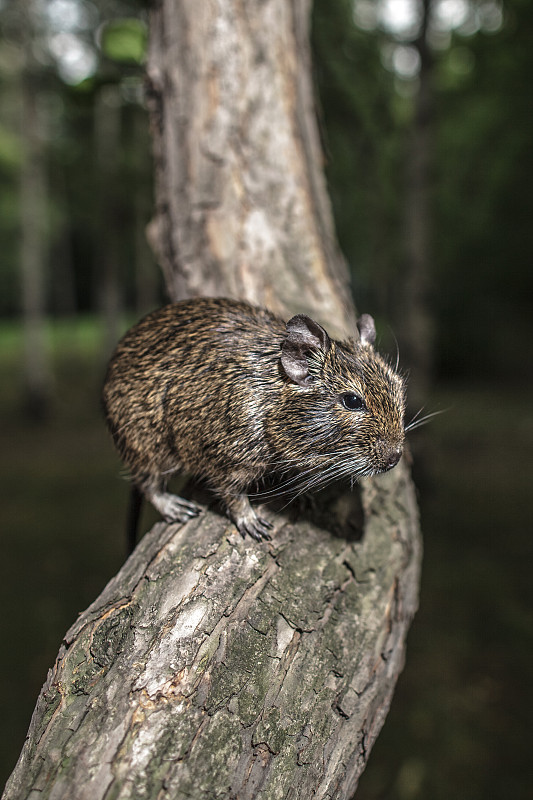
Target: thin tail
134, 513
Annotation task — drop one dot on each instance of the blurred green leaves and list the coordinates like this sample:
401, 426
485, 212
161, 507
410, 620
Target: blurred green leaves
10, 150
124, 40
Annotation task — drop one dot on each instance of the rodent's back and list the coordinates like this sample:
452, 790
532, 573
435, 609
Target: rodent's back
183, 383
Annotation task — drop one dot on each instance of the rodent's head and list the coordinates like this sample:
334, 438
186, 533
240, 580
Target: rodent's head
349, 403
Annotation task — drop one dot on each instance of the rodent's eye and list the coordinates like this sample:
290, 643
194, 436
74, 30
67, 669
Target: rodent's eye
352, 402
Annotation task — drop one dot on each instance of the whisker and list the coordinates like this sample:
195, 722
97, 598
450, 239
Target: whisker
299, 483
417, 414
397, 362
416, 423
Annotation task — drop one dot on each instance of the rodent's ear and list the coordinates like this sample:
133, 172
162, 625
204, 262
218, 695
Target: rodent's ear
304, 334
367, 329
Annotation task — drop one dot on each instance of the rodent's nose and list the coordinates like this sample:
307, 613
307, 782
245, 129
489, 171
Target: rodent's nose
394, 457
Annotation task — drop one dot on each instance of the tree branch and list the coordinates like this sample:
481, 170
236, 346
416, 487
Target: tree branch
212, 667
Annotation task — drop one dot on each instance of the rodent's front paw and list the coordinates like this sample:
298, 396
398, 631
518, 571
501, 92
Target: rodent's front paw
246, 520
174, 508
256, 527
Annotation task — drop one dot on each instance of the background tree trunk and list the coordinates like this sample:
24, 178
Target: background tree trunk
107, 151
415, 322
212, 666
33, 232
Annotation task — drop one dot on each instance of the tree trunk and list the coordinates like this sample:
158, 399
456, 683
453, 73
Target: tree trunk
241, 199
213, 666
33, 234
415, 321
107, 119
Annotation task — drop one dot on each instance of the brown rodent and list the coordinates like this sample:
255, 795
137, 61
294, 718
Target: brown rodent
230, 393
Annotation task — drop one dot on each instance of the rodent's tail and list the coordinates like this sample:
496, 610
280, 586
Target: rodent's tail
134, 513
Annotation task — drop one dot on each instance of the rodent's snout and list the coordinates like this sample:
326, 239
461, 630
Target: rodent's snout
392, 459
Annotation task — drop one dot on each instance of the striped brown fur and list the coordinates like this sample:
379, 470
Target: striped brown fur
230, 393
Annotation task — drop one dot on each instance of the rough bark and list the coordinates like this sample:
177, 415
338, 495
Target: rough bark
212, 667
241, 198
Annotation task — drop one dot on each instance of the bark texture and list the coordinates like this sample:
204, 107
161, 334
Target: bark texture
212, 667
241, 198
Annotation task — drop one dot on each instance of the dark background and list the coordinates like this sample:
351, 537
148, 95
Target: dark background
434, 105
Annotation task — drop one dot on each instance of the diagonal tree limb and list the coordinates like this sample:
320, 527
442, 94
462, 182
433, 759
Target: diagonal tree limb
212, 667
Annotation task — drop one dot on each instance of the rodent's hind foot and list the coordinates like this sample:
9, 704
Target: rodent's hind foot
174, 508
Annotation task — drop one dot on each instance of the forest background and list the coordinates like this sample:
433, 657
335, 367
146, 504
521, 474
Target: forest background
426, 116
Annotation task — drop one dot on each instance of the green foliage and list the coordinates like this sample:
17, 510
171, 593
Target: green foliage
10, 150
73, 111
125, 40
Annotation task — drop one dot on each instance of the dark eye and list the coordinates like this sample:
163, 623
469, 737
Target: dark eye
352, 402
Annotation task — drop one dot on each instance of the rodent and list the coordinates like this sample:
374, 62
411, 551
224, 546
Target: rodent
230, 393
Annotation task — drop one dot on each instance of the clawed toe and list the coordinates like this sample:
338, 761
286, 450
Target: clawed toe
257, 528
175, 509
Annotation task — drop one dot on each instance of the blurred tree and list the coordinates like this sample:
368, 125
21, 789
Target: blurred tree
107, 133
362, 146
78, 48
33, 223
484, 203
375, 68
11, 66
413, 312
